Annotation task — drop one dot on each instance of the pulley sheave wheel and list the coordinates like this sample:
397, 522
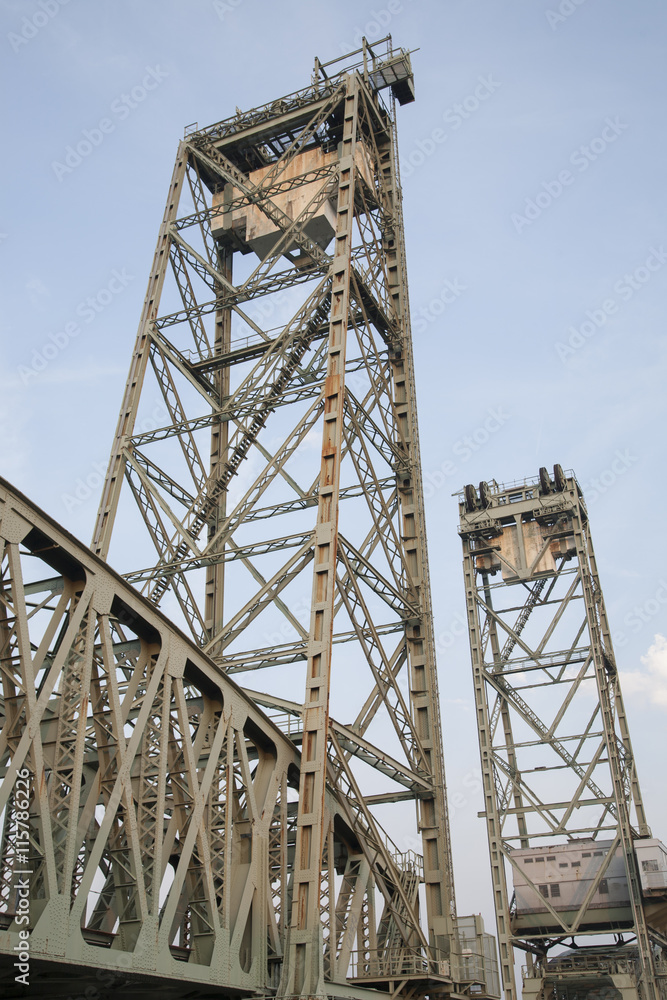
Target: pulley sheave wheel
545, 482
559, 478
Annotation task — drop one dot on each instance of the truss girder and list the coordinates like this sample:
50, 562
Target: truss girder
158, 813
349, 740
141, 787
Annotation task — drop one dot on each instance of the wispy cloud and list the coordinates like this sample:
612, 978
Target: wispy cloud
652, 681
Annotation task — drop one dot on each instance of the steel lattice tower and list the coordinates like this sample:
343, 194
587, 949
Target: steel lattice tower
284, 489
562, 801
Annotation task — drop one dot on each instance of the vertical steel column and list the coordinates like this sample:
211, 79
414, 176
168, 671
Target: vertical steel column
215, 573
433, 816
506, 718
610, 698
491, 812
304, 958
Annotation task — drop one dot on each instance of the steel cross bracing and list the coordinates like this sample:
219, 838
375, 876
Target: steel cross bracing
556, 756
147, 801
150, 807
278, 506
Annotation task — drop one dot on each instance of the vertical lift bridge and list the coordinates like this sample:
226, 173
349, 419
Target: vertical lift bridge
180, 834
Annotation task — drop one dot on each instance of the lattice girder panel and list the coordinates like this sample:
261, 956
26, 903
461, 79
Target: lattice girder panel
150, 779
174, 780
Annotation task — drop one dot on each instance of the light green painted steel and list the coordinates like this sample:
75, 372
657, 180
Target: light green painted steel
556, 756
343, 366
256, 340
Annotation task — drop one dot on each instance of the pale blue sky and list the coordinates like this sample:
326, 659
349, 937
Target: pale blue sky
507, 96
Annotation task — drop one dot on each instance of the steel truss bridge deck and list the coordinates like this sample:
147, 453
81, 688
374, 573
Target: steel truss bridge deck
117, 718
